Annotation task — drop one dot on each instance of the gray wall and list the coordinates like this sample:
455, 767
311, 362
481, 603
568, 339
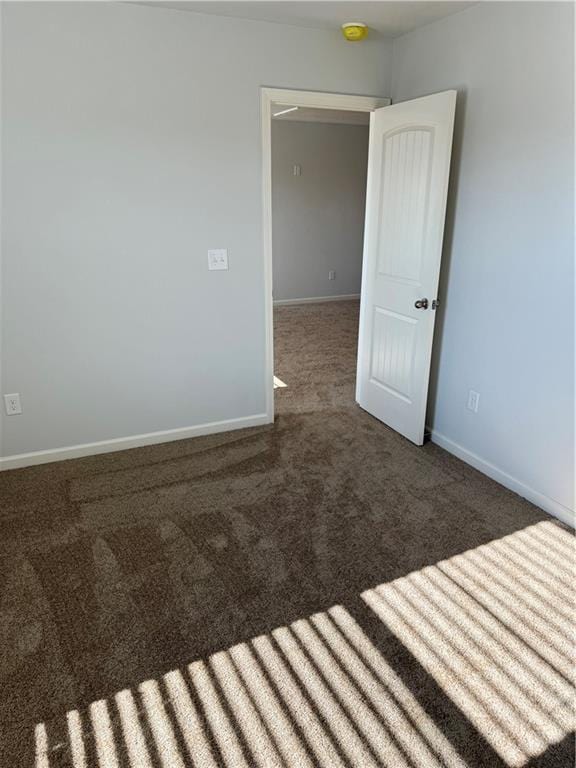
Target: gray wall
318, 217
129, 148
507, 323
131, 145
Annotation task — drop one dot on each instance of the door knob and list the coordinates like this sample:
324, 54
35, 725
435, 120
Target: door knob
421, 304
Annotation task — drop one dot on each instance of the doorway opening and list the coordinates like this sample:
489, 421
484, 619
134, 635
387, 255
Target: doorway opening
409, 151
319, 171
315, 167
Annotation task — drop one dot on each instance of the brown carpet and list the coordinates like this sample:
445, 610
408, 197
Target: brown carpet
318, 592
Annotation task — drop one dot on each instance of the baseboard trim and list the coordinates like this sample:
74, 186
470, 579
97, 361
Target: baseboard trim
553, 507
20, 460
317, 299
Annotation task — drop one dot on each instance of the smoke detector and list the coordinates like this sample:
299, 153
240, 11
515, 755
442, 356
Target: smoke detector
354, 31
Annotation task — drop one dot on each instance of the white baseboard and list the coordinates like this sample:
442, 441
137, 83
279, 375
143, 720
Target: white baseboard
317, 299
135, 441
553, 507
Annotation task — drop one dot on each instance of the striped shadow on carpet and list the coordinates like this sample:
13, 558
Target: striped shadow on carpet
492, 626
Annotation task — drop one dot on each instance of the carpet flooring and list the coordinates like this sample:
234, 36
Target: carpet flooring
316, 592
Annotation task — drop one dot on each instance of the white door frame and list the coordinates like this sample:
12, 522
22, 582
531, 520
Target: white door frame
318, 100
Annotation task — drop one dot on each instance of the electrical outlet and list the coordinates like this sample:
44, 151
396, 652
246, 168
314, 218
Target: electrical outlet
218, 258
332, 275
12, 404
473, 401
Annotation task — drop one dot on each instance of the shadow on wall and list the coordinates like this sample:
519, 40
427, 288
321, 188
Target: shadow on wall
446, 263
490, 628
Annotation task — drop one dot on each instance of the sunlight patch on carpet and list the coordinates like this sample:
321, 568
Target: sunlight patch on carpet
317, 692
491, 626
494, 627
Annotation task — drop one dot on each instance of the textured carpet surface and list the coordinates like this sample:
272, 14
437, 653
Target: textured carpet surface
314, 592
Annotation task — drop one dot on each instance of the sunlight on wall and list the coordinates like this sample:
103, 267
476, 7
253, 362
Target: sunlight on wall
494, 627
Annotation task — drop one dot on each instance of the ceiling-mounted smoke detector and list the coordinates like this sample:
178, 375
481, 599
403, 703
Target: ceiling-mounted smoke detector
354, 31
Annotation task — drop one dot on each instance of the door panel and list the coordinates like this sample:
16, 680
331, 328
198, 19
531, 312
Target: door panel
393, 351
406, 157
408, 167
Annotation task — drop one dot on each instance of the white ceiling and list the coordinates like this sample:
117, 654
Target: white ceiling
313, 115
386, 19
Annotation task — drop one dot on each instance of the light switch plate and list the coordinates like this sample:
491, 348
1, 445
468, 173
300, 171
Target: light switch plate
218, 258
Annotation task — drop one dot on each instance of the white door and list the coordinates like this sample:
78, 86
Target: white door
408, 168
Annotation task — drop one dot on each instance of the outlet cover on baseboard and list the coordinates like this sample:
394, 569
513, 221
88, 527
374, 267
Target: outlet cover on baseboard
473, 401
12, 404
